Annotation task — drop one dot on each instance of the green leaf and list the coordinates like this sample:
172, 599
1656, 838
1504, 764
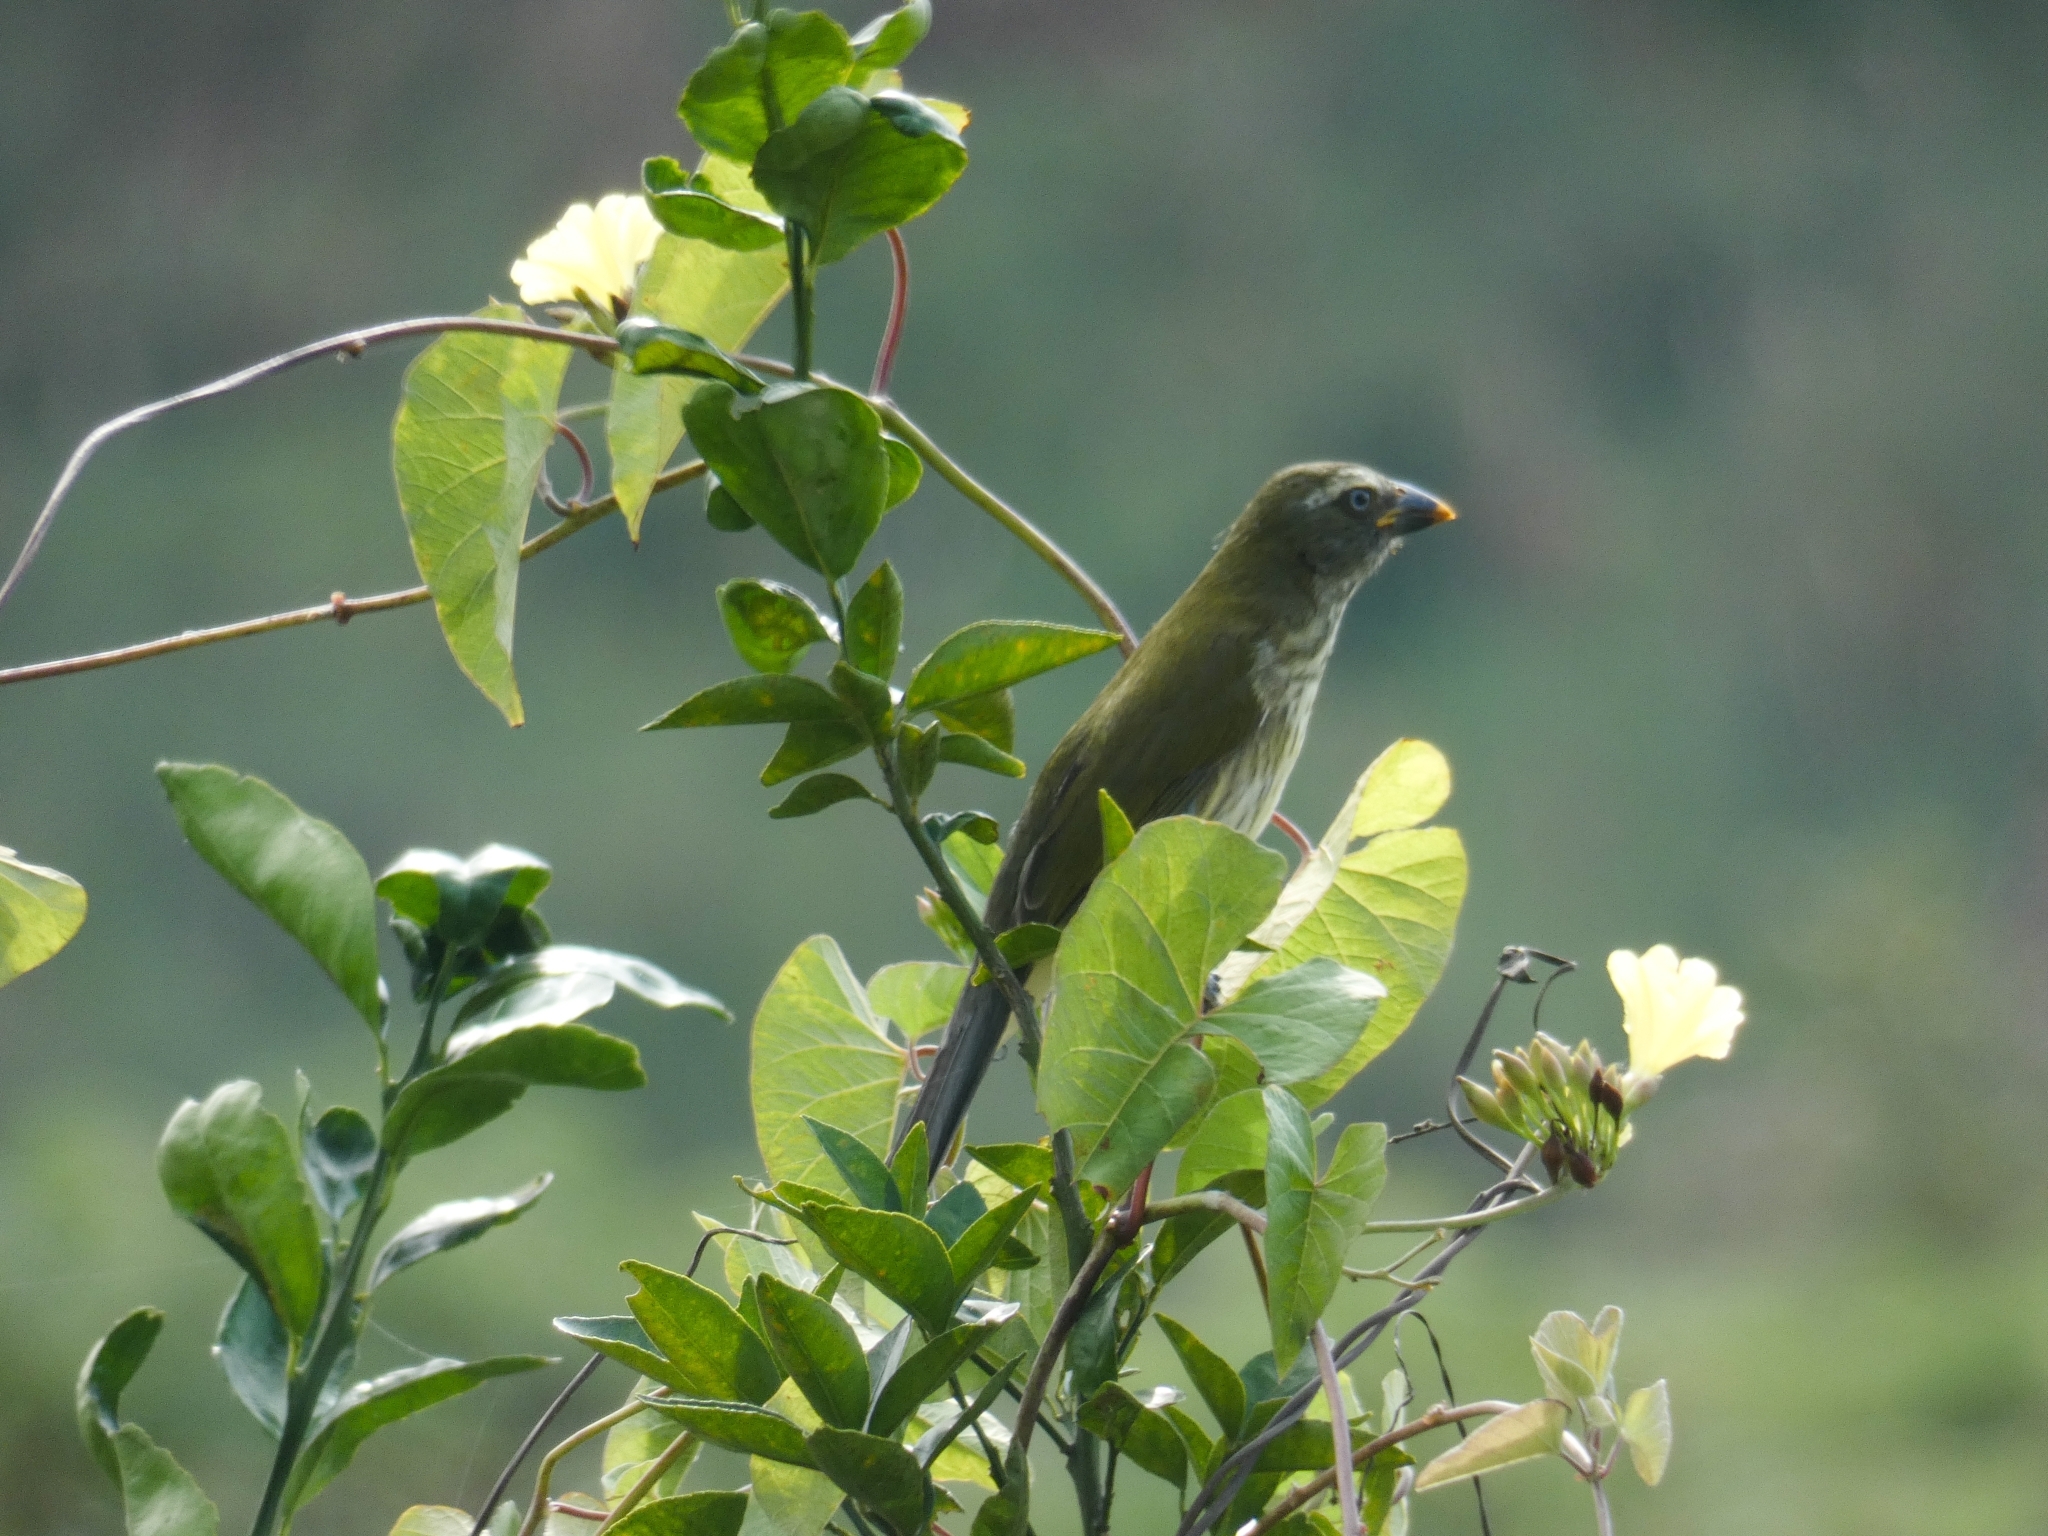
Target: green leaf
711, 1352
868, 698
1028, 943
917, 996
227, 1167
1523, 1434
883, 1478
820, 1052
887, 41
254, 1353
487, 1069
1302, 1021
874, 623
1133, 963
1311, 1222
707, 1512
849, 166
906, 471
159, 1497
339, 1153
1388, 908
1116, 827
109, 1366
748, 1430
931, 1447
40, 910
451, 1224
460, 899
818, 1349
1143, 1434
1646, 1426
794, 56
974, 862
993, 654
866, 1175
812, 744
1183, 1237
1576, 1362
897, 1254
562, 982
652, 347
621, 1339
1232, 1137
369, 1406
473, 428
1220, 1386
721, 511
768, 699
820, 792
304, 874
1093, 1350
955, 1211
991, 716
978, 1246
771, 625
697, 214
922, 1374
1023, 1163
910, 1171
974, 752
632, 1446
968, 826
723, 296
805, 461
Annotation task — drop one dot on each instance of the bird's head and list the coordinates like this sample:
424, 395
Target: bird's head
1327, 527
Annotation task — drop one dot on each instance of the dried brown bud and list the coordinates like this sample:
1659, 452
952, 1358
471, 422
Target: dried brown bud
1553, 1158
1585, 1173
1607, 1096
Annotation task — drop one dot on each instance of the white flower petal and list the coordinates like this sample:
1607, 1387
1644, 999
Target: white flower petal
595, 250
1672, 1009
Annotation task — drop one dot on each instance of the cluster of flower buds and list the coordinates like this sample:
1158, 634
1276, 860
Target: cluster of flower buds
1565, 1101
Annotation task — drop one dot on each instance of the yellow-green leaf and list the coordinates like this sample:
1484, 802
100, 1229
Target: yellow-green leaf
40, 910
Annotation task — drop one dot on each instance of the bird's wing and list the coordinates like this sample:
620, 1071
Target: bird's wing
1156, 740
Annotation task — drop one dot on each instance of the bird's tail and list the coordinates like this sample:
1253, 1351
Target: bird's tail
970, 1042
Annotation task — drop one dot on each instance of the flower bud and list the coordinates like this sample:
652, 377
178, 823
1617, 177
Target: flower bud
1607, 1096
1585, 1172
1641, 1087
1549, 1069
1486, 1106
1516, 1108
1579, 1068
1553, 1158
1518, 1073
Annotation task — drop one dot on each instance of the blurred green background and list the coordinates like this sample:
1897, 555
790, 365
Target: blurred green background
1724, 325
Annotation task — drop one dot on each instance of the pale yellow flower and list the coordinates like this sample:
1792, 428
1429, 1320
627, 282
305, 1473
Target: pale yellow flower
1672, 1009
594, 251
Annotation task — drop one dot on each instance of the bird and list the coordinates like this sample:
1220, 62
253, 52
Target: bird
1205, 718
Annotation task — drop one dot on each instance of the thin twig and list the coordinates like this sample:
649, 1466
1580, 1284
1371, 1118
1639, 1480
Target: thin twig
1294, 835
899, 308
532, 1439
544, 1475
1063, 1319
348, 344
339, 608
705, 1242
1318, 1485
1340, 1430
648, 1479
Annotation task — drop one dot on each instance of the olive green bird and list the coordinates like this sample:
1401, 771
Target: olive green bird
1206, 718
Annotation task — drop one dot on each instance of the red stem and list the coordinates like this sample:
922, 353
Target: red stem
899, 306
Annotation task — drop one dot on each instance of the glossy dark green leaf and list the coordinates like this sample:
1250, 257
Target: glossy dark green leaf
1232, 1137
707, 1512
697, 213
866, 1175
460, 899
955, 1211
711, 1350
1143, 1434
874, 623
932, 1445
475, 422
806, 461
652, 347
1300, 1022
764, 700
369, 1406
722, 512
810, 744
339, 1152
1023, 1163
771, 625
738, 1427
883, 1478
820, 792
451, 1224
793, 55
1312, 1221
304, 874
887, 41
991, 716
818, 1350
254, 1353
906, 472
910, 1170
899, 1255
486, 1071
977, 826
867, 697
562, 982
1221, 1387
974, 752
159, 1497
227, 1167
1028, 943
621, 1339
924, 1372
994, 654
917, 757
109, 1367
848, 166
979, 1244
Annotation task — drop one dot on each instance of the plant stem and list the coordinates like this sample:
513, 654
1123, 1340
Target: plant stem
348, 344
1603, 1517
1308, 1492
1469, 1218
899, 308
526, 1446
1340, 1430
340, 609
800, 298
544, 1474
1064, 1317
648, 1479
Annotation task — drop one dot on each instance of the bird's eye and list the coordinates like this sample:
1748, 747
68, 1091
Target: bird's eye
1361, 500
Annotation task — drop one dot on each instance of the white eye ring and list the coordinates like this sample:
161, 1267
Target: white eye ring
1361, 499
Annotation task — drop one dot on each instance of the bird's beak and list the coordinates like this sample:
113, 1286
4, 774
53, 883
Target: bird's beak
1415, 511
